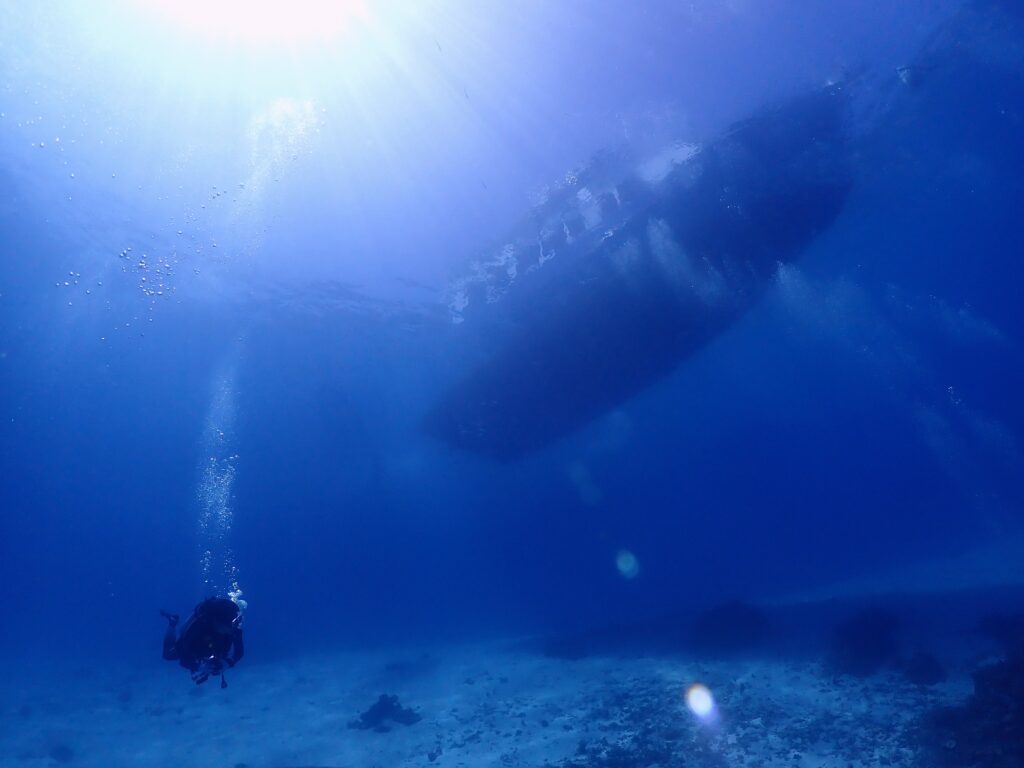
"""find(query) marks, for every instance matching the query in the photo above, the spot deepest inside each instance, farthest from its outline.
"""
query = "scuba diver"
(210, 640)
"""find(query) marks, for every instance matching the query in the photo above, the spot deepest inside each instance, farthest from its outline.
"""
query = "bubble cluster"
(216, 488)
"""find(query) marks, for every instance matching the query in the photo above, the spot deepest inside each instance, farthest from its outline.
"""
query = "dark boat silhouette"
(646, 271)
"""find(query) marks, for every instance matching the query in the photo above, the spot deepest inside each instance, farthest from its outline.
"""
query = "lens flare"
(700, 701)
(627, 564)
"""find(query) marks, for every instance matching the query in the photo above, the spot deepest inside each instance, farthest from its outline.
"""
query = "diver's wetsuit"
(210, 639)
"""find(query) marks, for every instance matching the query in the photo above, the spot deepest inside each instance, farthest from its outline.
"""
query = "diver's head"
(222, 614)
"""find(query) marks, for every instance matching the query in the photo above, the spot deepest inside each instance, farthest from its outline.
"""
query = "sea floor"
(478, 706)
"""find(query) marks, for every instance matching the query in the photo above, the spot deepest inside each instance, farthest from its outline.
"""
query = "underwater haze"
(507, 356)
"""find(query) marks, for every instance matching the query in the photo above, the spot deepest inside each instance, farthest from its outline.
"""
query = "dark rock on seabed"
(863, 644)
(923, 669)
(384, 711)
(988, 730)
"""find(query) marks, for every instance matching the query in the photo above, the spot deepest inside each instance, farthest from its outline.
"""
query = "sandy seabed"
(478, 706)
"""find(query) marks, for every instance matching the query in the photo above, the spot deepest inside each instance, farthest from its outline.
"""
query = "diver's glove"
(172, 618)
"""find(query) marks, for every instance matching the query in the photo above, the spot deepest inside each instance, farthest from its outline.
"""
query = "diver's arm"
(170, 644)
(238, 648)
(170, 641)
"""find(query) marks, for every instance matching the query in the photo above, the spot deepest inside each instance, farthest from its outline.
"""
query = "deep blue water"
(296, 221)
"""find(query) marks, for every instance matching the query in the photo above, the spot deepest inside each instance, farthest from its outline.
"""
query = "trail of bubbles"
(216, 487)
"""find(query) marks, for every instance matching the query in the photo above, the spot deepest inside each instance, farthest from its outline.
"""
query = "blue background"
(866, 413)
